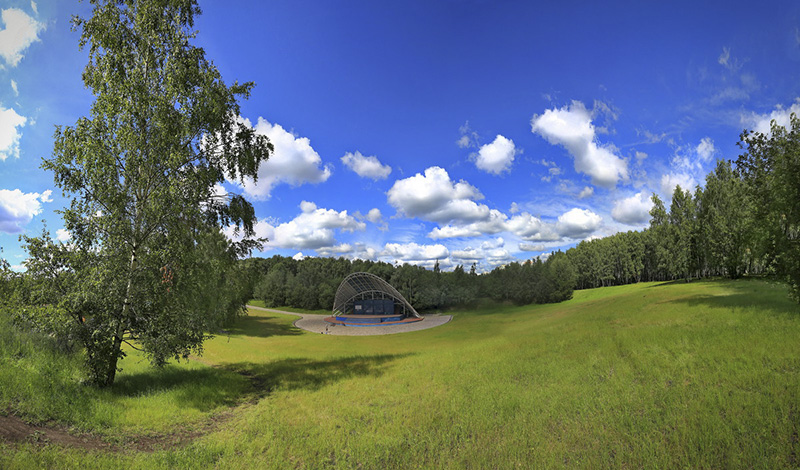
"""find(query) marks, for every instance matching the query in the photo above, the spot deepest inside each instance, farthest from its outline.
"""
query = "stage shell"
(363, 288)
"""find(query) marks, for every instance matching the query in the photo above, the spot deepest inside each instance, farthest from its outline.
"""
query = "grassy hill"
(699, 375)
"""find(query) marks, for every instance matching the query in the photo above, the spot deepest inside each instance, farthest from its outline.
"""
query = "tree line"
(745, 220)
(705, 233)
(311, 283)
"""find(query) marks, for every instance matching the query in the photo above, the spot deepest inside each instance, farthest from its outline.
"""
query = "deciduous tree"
(146, 263)
(770, 168)
(726, 214)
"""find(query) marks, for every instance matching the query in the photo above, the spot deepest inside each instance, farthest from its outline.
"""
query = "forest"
(311, 283)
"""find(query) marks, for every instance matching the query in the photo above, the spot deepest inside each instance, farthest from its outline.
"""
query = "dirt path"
(15, 430)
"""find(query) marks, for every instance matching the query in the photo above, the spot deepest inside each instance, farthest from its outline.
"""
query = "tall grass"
(700, 375)
(37, 377)
(41, 381)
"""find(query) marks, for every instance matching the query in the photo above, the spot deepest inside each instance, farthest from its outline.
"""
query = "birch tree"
(143, 171)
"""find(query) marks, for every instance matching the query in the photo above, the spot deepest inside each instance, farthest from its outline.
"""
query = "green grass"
(699, 375)
(260, 303)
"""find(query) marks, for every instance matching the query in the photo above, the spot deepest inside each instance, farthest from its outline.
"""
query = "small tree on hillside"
(560, 277)
(147, 263)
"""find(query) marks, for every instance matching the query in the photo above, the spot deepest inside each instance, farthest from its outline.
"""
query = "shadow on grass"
(307, 374)
(261, 327)
(767, 296)
(203, 389)
(721, 281)
(676, 282)
(230, 384)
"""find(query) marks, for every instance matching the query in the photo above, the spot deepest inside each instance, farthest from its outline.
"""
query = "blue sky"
(463, 131)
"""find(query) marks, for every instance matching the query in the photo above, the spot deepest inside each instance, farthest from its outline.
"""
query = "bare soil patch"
(15, 430)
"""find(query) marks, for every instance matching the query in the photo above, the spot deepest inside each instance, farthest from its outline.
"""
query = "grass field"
(699, 375)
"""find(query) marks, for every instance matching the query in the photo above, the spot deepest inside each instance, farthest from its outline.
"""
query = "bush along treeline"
(746, 220)
(311, 283)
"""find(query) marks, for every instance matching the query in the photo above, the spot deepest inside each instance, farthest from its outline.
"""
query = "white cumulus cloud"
(17, 209)
(490, 254)
(366, 167)
(496, 157)
(374, 215)
(355, 251)
(634, 210)
(413, 252)
(572, 128)
(435, 197)
(578, 223)
(314, 228)
(10, 121)
(532, 228)
(495, 222)
(762, 122)
(671, 180)
(688, 166)
(531, 247)
(294, 162)
(343, 249)
(575, 223)
(19, 33)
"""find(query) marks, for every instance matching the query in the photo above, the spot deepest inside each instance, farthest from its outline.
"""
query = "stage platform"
(370, 320)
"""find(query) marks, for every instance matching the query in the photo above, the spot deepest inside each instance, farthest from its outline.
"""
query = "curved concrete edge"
(316, 324)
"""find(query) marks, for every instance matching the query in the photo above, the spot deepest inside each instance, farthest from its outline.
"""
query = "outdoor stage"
(370, 320)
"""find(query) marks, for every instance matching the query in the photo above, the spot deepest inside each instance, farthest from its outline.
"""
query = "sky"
(457, 131)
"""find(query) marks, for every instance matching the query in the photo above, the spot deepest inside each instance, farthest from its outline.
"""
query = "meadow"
(657, 375)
